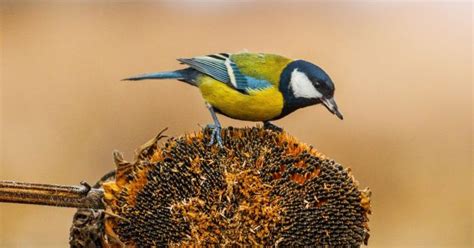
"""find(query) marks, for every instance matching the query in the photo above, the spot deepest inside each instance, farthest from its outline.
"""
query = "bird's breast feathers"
(257, 105)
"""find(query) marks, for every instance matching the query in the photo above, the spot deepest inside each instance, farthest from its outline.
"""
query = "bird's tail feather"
(179, 74)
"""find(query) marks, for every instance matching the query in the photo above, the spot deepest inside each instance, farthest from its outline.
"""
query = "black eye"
(317, 83)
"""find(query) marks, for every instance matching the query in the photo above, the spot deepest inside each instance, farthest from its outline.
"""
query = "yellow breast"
(258, 105)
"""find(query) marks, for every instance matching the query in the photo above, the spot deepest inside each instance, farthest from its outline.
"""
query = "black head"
(304, 84)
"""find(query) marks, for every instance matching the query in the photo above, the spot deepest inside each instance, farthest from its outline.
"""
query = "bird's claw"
(270, 126)
(215, 135)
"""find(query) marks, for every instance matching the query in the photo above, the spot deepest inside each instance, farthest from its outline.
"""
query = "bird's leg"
(216, 127)
(268, 125)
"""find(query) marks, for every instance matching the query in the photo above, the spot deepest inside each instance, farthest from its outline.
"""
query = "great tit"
(253, 86)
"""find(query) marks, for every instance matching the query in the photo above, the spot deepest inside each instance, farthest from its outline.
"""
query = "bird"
(257, 87)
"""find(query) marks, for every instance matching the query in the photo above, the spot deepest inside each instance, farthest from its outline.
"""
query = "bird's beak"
(331, 106)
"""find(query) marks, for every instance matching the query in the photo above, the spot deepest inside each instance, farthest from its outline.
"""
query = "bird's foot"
(215, 134)
(269, 126)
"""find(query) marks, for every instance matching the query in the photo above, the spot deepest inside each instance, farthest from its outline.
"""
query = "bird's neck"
(292, 104)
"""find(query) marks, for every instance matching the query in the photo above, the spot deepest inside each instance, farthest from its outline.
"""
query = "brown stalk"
(72, 196)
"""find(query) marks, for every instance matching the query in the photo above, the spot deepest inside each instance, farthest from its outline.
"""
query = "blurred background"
(403, 73)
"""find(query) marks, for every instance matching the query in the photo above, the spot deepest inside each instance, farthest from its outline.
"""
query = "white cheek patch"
(302, 86)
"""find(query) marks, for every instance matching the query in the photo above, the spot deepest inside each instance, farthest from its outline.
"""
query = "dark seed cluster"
(263, 188)
(87, 229)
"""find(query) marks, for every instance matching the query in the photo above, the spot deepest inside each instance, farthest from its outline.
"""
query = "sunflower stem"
(72, 196)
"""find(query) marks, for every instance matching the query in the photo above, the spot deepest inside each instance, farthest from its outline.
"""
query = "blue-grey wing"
(257, 84)
(220, 67)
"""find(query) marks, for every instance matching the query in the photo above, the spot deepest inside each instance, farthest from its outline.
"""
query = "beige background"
(403, 74)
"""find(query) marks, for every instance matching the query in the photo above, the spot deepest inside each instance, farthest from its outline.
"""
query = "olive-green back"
(261, 66)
